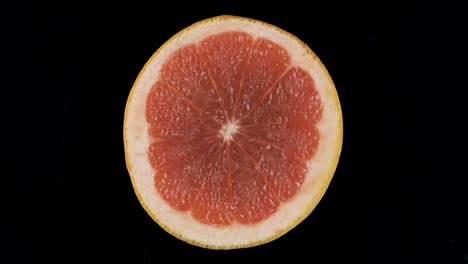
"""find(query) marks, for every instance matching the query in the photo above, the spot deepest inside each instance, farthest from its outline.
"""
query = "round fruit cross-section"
(232, 133)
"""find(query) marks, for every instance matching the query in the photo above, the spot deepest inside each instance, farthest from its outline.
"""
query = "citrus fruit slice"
(232, 133)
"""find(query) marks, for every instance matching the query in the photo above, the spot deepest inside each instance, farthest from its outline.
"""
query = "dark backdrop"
(399, 194)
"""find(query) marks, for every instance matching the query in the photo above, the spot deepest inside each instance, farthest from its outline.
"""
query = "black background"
(399, 194)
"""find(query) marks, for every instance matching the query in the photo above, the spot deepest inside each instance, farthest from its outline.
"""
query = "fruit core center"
(228, 130)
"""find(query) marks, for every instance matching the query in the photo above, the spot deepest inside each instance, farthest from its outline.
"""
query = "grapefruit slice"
(232, 133)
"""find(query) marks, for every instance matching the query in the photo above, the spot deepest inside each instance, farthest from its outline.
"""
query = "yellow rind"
(324, 185)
